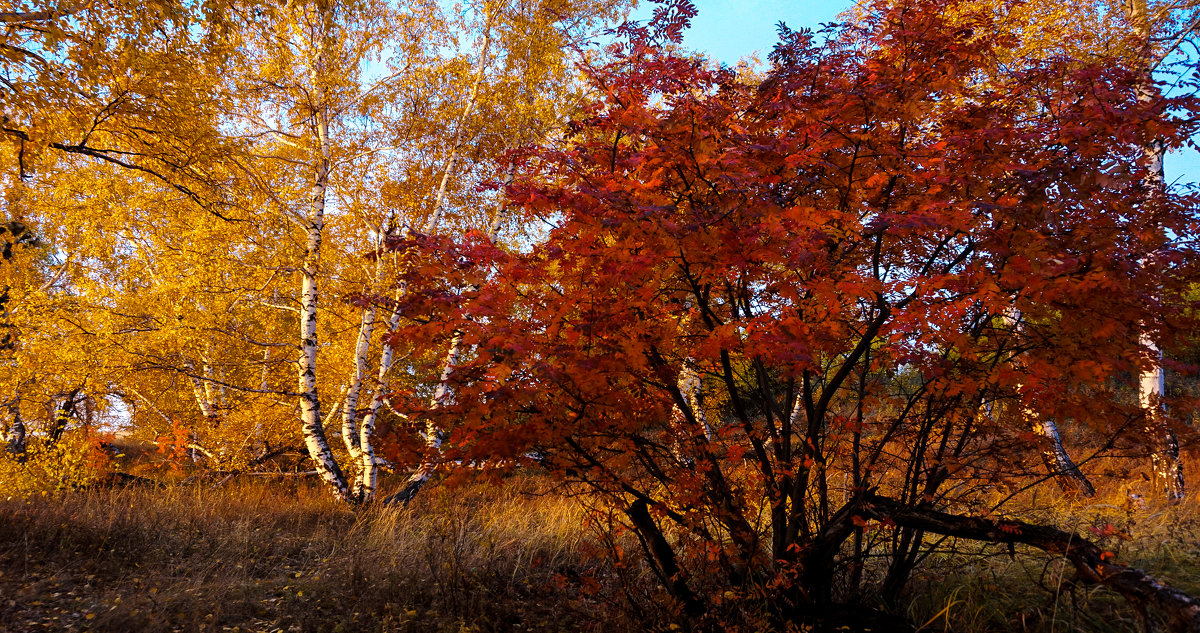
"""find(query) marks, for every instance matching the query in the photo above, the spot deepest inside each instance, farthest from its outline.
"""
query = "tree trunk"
(433, 434)
(1064, 470)
(1092, 564)
(310, 404)
(203, 394)
(368, 464)
(16, 433)
(358, 440)
(456, 142)
(682, 436)
(1055, 455)
(362, 349)
(261, 445)
(689, 386)
(62, 417)
(367, 479)
(662, 555)
(1165, 458)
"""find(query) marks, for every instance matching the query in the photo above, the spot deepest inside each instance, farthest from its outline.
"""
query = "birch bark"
(368, 464)
(1058, 461)
(358, 439)
(1165, 458)
(310, 403)
(433, 434)
(202, 391)
(362, 349)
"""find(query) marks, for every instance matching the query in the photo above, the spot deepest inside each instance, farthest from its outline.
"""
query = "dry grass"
(259, 556)
(988, 589)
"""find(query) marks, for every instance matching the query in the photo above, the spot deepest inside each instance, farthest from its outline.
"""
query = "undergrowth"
(973, 587)
(270, 556)
(265, 555)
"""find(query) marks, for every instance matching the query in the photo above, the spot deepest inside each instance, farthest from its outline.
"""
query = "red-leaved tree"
(766, 312)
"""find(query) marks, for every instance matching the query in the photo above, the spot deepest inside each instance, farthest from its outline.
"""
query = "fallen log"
(1092, 564)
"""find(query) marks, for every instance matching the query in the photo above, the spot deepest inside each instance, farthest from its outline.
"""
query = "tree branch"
(1092, 564)
(13, 17)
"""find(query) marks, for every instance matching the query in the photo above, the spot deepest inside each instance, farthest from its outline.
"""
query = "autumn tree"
(470, 107)
(124, 83)
(767, 318)
(1156, 39)
(53, 402)
(205, 170)
(111, 124)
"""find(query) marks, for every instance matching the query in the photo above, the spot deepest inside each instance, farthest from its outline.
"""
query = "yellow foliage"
(75, 461)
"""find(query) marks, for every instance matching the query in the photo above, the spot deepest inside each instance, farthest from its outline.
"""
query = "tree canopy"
(775, 321)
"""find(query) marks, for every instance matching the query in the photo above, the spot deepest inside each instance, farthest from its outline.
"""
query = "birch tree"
(1054, 454)
(322, 129)
(1148, 55)
(123, 83)
(1153, 38)
(255, 158)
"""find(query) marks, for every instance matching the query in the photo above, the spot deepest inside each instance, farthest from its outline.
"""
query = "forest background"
(789, 337)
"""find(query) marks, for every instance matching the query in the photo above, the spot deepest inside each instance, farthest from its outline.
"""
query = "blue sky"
(728, 30)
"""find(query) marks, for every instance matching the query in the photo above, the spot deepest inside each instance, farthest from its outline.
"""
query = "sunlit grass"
(280, 554)
(267, 556)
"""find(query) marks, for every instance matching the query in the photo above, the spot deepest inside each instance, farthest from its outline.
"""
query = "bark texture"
(310, 404)
(16, 432)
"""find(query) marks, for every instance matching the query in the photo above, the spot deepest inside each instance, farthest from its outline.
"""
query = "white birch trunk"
(433, 434)
(310, 404)
(362, 349)
(215, 396)
(152, 406)
(1064, 470)
(358, 439)
(202, 394)
(689, 385)
(1165, 458)
(206, 409)
(368, 465)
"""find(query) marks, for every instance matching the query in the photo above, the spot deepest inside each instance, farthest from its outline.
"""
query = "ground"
(276, 554)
